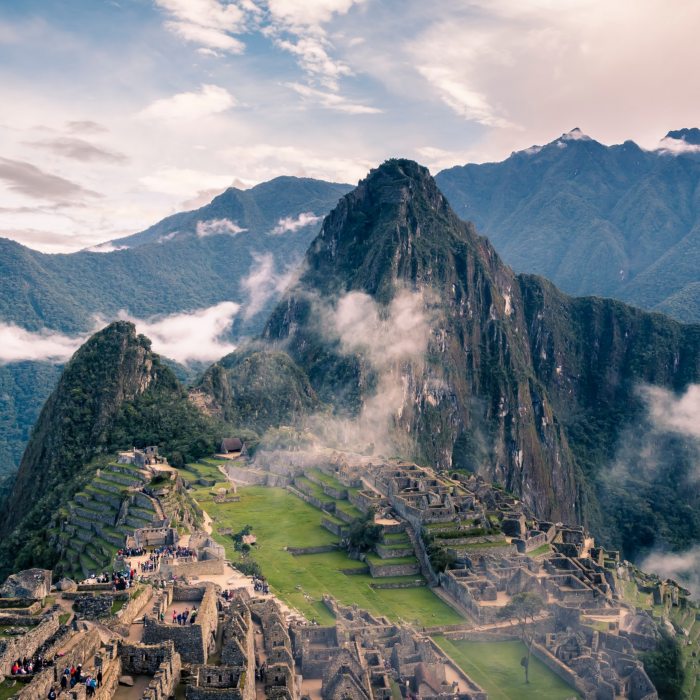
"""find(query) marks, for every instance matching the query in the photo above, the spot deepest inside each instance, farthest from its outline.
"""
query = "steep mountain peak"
(574, 135)
(691, 136)
(393, 229)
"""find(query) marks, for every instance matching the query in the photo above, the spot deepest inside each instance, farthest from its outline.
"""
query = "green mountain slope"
(183, 272)
(113, 394)
(517, 380)
(168, 268)
(613, 221)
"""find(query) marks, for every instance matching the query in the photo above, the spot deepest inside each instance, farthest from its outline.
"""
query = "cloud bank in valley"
(18, 344)
(197, 335)
(263, 283)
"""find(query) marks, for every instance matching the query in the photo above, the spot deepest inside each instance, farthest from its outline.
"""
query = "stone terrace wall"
(194, 568)
(27, 644)
(393, 569)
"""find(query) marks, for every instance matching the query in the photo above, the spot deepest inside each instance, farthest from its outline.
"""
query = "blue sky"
(115, 113)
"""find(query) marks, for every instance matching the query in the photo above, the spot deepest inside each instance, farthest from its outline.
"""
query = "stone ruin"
(361, 656)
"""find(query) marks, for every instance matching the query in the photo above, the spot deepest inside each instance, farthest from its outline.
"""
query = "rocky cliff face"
(514, 379)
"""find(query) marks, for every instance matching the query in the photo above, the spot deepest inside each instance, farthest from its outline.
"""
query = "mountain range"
(616, 221)
(405, 331)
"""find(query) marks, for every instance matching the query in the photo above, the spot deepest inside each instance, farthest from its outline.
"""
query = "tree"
(364, 533)
(521, 609)
(665, 666)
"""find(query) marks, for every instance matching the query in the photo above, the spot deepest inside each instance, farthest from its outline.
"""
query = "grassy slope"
(279, 519)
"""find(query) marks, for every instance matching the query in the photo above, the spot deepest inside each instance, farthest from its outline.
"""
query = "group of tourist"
(73, 676)
(150, 565)
(22, 667)
(260, 585)
(121, 580)
(261, 673)
(181, 618)
(132, 551)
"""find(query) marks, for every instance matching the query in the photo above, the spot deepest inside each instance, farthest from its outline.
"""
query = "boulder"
(66, 584)
(126, 680)
(32, 583)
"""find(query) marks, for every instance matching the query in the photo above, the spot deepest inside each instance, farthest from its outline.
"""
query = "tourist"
(174, 616)
(99, 678)
(52, 693)
(93, 686)
(179, 618)
(64, 682)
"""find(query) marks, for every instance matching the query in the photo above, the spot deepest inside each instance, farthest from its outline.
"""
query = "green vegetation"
(364, 534)
(544, 549)
(117, 606)
(523, 608)
(495, 666)
(280, 519)
(96, 422)
(6, 693)
(62, 619)
(665, 667)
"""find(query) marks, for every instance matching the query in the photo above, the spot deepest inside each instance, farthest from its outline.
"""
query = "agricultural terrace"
(280, 519)
(495, 666)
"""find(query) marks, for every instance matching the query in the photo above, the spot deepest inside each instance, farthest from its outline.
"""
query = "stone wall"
(19, 603)
(165, 680)
(405, 584)
(192, 642)
(83, 650)
(145, 659)
(393, 569)
(193, 568)
(563, 671)
(312, 550)
(134, 607)
(26, 645)
(333, 527)
(91, 607)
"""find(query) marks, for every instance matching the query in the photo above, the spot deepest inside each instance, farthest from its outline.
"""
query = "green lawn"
(495, 666)
(280, 519)
(544, 549)
(6, 692)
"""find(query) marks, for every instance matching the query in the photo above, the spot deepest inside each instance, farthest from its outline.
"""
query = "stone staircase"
(100, 517)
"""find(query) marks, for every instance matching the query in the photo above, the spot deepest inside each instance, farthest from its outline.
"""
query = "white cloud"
(264, 161)
(185, 182)
(216, 227)
(17, 344)
(189, 106)
(263, 283)
(678, 414)
(190, 336)
(107, 247)
(436, 159)
(683, 568)
(461, 96)
(331, 100)
(310, 13)
(207, 22)
(288, 224)
(677, 146)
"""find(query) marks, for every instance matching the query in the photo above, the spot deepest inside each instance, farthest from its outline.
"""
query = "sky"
(116, 113)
